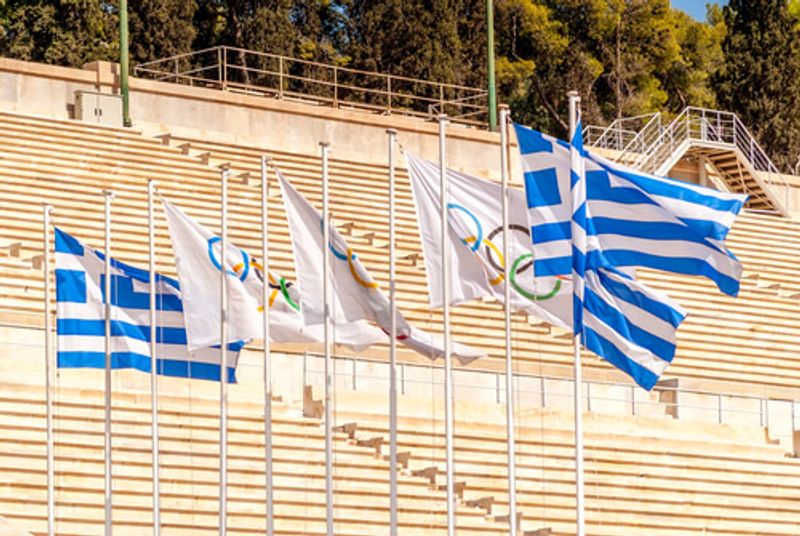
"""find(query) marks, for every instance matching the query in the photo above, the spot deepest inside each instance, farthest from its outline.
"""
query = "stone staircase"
(717, 139)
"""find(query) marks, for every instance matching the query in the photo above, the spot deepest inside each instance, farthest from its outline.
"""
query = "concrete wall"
(272, 124)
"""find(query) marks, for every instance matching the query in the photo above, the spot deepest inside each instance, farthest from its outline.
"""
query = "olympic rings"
(276, 286)
(531, 296)
(366, 284)
(479, 239)
(349, 257)
(240, 270)
(496, 259)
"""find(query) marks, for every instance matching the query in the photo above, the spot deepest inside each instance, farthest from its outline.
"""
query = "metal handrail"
(237, 69)
(618, 135)
(653, 145)
(644, 139)
(677, 406)
(718, 127)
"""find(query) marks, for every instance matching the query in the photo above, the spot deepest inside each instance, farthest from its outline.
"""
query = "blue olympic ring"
(336, 253)
(218, 266)
(479, 235)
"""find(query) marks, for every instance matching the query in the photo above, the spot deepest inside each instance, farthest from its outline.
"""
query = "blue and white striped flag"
(80, 289)
(616, 317)
(637, 220)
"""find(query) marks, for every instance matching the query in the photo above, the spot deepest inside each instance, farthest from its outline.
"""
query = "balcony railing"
(271, 75)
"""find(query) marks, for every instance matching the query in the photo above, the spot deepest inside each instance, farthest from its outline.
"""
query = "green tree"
(160, 28)
(688, 79)
(625, 57)
(61, 32)
(760, 78)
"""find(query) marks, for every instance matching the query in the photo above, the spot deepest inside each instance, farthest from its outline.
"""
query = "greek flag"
(635, 219)
(615, 316)
(80, 325)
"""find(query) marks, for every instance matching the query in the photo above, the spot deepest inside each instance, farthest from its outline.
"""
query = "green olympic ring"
(530, 295)
(285, 292)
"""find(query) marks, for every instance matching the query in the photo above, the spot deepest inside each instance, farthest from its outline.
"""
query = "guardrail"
(622, 134)
(723, 129)
(271, 75)
(546, 391)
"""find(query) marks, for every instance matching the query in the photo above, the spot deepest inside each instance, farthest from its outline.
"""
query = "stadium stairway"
(643, 475)
(648, 476)
(670, 479)
(69, 164)
(189, 471)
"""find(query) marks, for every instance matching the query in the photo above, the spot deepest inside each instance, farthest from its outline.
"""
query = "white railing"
(621, 134)
(724, 130)
(693, 405)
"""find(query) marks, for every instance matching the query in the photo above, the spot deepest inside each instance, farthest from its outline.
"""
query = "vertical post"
(511, 443)
(280, 77)
(389, 94)
(124, 62)
(492, 88)
(392, 135)
(109, 195)
(48, 374)
(224, 68)
(219, 67)
(151, 232)
(448, 365)
(223, 356)
(544, 392)
(574, 103)
(267, 360)
(326, 238)
(335, 87)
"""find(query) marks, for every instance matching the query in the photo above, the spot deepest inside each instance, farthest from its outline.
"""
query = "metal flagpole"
(392, 135)
(151, 231)
(448, 365)
(51, 495)
(512, 466)
(574, 103)
(109, 195)
(267, 362)
(326, 232)
(223, 358)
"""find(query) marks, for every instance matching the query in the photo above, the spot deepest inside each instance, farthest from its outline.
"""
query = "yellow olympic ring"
(501, 276)
(359, 280)
(273, 294)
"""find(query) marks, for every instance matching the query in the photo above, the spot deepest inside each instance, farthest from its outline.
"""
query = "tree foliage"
(61, 32)
(760, 77)
(625, 57)
(160, 28)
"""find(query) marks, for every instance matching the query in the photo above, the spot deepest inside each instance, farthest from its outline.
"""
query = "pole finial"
(391, 131)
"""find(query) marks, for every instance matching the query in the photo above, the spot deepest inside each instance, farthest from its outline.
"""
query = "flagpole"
(448, 365)
(574, 103)
(109, 195)
(223, 358)
(326, 231)
(151, 231)
(51, 499)
(512, 466)
(392, 136)
(267, 362)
